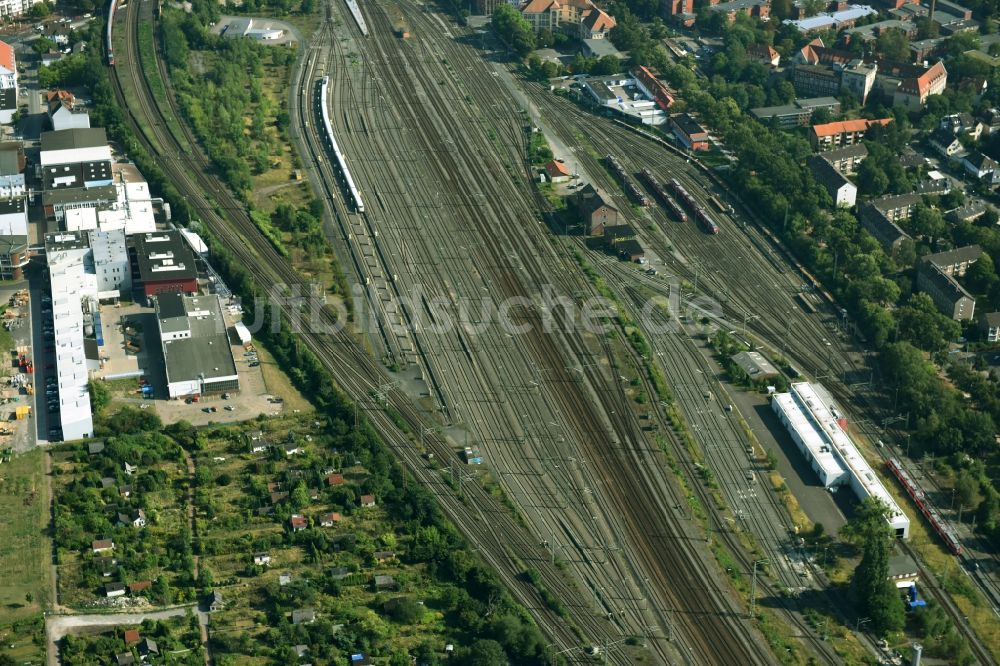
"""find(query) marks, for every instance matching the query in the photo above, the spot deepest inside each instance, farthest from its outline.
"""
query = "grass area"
(147, 58)
(277, 382)
(24, 640)
(25, 551)
(790, 502)
(128, 90)
(88, 509)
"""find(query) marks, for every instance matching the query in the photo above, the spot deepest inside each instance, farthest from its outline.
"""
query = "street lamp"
(861, 621)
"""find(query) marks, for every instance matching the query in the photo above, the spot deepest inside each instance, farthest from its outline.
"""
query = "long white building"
(69, 256)
(818, 430)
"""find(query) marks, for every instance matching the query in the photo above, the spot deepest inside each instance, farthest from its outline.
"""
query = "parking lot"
(132, 349)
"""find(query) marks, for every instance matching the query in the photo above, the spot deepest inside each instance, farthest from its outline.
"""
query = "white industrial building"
(819, 431)
(85, 190)
(623, 94)
(197, 353)
(13, 217)
(72, 281)
(75, 146)
(111, 263)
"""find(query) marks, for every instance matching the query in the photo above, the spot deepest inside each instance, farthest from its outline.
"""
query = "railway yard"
(468, 325)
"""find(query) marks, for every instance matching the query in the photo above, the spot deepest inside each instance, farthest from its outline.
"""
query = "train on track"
(358, 16)
(631, 189)
(660, 193)
(700, 214)
(942, 528)
(108, 46)
(331, 141)
(707, 223)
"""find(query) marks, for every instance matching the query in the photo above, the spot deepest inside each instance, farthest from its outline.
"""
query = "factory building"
(111, 263)
(166, 263)
(72, 280)
(196, 351)
(820, 432)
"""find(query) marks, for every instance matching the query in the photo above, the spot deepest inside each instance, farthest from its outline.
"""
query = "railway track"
(427, 124)
(766, 291)
(707, 636)
(360, 376)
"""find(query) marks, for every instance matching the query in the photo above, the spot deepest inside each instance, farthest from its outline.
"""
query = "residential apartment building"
(678, 11)
(8, 67)
(955, 262)
(13, 8)
(846, 160)
(798, 114)
(889, 235)
(816, 81)
(897, 208)
(948, 295)
(843, 192)
(758, 8)
(579, 18)
(910, 85)
(764, 54)
(843, 133)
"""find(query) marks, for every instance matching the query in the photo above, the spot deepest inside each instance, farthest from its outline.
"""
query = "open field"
(25, 550)
(277, 383)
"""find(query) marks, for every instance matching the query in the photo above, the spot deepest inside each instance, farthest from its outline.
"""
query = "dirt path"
(54, 572)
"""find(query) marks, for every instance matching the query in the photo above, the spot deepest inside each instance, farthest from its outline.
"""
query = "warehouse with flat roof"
(196, 351)
(166, 263)
(819, 431)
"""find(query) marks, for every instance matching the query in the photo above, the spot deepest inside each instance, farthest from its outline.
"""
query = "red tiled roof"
(298, 521)
(61, 95)
(334, 479)
(539, 6)
(599, 20)
(7, 59)
(556, 169)
(845, 126)
(927, 79)
(131, 636)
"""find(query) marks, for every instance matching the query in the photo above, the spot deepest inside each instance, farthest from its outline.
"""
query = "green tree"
(44, 45)
(892, 44)
(967, 490)
(485, 652)
(981, 277)
(875, 596)
(514, 29)
(872, 179)
(99, 395)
